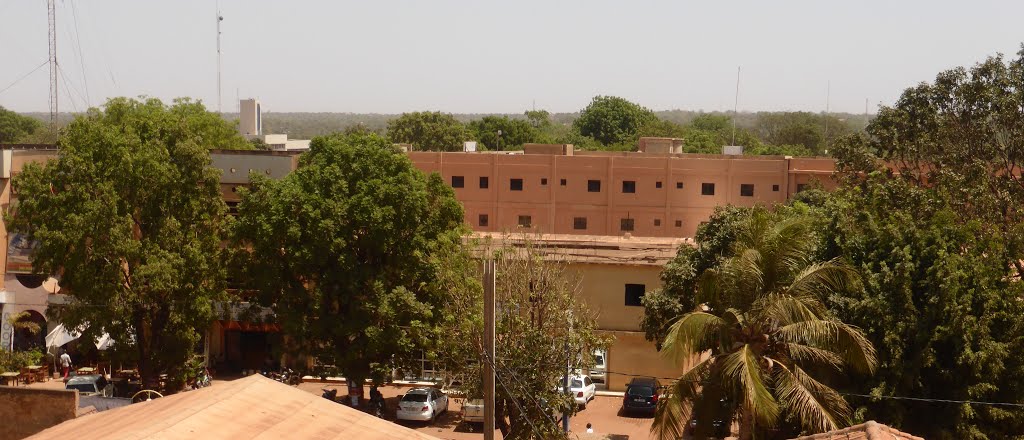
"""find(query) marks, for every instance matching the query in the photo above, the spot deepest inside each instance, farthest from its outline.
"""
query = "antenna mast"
(220, 18)
(828, 102)
(736, 105)
(52, 18)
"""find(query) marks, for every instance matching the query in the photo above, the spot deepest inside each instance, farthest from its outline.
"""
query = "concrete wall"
(667, 199)
(26, 411)
(603, 288)
(631, 355)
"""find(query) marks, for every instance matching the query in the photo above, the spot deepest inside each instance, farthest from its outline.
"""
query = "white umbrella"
(60, 336)
(105, 342)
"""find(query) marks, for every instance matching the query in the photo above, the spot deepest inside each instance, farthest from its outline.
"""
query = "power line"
(24, 76)
(81, 58)
(514, 401)
(922, 399)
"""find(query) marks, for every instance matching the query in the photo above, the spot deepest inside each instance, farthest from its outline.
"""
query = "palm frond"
(817, 407)
(675, 409)
(817, 279)
(694, 332)
(786, 309)
(805, 355)
(742, 367)
(844, 340)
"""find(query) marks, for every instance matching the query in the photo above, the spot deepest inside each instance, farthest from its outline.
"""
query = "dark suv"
(641, 395)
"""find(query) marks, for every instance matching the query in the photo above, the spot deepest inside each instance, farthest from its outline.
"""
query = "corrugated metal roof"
(250, 408)
(595, 249)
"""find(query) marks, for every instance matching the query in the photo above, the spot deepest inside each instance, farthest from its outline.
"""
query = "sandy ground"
(603, 412)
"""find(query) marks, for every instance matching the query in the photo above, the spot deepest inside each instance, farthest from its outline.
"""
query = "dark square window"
(657, 184)
(707, 189)
(579, 223)
(679, 223)
(483, 220)
(484, 182)
(563, 182)
(657, 222)
(800, 187)
(679, 185)
(626, 224)
(775, 188)
(594, 186)
(515, 184)
(634, 294)
(525, 221)
(543, 180)
(628, 186)
(747, 189)
(458, 181)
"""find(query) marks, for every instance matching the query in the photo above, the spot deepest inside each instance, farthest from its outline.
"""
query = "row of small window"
(628, 186)
(578, 223)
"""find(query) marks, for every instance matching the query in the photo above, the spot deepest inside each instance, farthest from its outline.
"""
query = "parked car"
(422, 404)
(599, 372)
(473, 411)
(641, 395)
(582, 389)
(87, 384)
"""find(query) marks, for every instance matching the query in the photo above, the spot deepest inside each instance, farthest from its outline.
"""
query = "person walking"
(65, 363)
(590, 428)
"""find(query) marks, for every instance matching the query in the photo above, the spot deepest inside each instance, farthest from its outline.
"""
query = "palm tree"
(761, 333)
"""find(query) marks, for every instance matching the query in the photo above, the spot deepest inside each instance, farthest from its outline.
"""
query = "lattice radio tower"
(53, 64)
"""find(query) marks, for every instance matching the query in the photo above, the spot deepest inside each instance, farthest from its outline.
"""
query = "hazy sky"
(487, 56)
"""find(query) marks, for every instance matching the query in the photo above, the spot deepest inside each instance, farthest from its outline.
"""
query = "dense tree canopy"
(514, 132)
(434, 131)
(130, 215)
(805, 129)
(612, 120)
(355, 249)
(15, 127)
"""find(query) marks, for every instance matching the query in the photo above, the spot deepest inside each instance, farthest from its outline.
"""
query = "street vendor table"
(9, 377)
(86, 370)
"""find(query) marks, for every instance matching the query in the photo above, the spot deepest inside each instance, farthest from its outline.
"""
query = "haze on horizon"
(393, 56)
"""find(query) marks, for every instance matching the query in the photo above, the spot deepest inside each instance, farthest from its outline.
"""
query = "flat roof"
(594, 249)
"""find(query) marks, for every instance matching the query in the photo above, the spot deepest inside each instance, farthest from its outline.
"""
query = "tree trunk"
(747, 423)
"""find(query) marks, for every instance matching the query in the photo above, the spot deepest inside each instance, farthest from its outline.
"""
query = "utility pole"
(568, 372)
(220, 18)
(52, 19)
(736, 106)
(489, 349)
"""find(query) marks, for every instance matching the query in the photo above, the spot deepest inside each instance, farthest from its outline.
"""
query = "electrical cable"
(24, 76)
(526, 392)
(81, 58)
(69, 85)
(514, 401)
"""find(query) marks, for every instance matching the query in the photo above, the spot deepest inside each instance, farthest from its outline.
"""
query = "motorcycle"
(330, 394)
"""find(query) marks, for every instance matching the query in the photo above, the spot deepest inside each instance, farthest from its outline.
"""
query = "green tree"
(434, 131)
(708, 133)
(15, 127)
(514, 132)
(801, 128)
(354, 250)
(538, 119)
(677, 296)
(541, 324)
(939, 302)
(761, 336)
(130, 214)
(612, 120)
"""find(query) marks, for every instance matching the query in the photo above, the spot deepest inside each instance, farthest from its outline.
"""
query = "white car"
(473, 411)
(422, 404)
(582, 389)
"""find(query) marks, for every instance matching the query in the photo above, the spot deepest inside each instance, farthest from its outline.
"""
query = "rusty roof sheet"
(249, 408)
(870, 430)
(596, 249)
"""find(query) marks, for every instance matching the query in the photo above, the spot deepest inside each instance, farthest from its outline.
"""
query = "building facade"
(649, 194)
